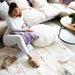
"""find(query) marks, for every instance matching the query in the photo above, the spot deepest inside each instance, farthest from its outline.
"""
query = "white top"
(14, 24)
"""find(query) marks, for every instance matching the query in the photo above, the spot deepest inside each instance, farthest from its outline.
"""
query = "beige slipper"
(33, 63)
(6, 63)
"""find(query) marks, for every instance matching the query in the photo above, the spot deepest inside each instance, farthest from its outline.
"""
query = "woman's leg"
(23, 47)
(17, 39)
(21, 54)
(11, 40)
(21, 44)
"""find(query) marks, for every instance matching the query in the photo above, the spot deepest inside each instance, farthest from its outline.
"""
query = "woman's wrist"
(28, 29)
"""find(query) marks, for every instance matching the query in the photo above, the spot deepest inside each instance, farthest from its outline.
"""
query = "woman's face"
(16, 12)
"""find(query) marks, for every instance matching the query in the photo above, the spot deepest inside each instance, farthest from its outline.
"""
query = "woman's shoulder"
(9, 18)
(21, 17)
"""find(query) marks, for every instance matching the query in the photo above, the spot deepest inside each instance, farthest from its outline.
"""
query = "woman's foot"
(8, 61)
(33, 62)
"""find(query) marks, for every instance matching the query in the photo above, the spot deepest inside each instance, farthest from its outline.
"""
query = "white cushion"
(32, 16)
(49, 11)
(3, 27)
(39, 3)
(23, 4)
(59, 6)
(46, 35)
(71, 5)
(4, 10)
(66, 12)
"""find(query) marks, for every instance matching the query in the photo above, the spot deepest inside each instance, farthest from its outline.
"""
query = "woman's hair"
(12, 6)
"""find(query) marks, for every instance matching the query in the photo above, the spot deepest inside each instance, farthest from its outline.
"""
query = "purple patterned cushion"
(27, 36)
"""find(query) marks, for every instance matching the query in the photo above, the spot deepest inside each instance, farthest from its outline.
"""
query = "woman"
(15, 23)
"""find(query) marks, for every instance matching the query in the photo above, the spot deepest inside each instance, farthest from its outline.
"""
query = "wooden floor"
(55, 59)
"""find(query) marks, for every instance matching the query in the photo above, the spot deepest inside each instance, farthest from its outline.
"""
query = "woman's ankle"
(13, 59)
(29, 56)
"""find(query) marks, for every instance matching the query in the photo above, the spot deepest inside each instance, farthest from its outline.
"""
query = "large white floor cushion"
(46, 35)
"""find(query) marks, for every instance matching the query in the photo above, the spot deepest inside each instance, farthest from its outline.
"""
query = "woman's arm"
(23, 26)
(13, 27)
(28, 29)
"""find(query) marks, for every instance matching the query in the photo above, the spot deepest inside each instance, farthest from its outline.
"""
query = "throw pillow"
(23, 4)
(39, 3)
(66, 12)
(58, 6)
(71, 5)
(4, 10)
(27, 36)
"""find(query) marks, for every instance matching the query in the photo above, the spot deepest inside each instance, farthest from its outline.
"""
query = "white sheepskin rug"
(54, 59)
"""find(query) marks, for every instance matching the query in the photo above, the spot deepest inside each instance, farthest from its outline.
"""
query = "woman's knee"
(18, 38)
(30, 47)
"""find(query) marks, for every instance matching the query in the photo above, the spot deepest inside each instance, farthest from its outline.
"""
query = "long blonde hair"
(12, 6)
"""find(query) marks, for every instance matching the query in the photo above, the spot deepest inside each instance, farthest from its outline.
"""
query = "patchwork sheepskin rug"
(54, 59)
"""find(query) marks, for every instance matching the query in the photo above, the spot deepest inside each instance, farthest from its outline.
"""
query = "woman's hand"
(29, 30)
(23, 26)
